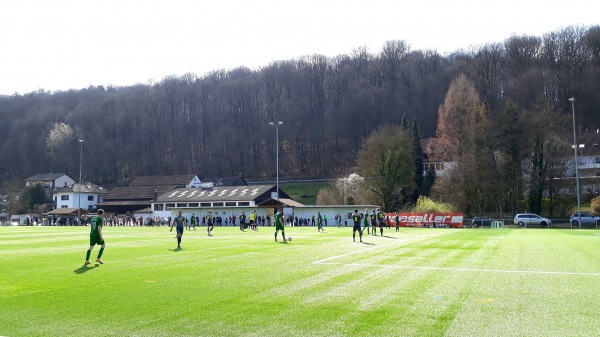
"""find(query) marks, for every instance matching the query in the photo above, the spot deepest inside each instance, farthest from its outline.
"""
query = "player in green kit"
(193, 221)
(96, 238)
(366, 222)
(320, 222)
(279, 225)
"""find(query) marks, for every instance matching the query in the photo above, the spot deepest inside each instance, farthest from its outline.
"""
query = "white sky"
(72, 44)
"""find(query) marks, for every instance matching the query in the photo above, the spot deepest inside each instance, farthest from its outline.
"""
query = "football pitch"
(416, 282)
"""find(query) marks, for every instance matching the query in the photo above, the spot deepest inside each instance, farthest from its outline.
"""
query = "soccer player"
(209, 223)
(96, 238)
(356, 219)
(381, 219)
(320, 222)
(252, 220)
(279, 225)
(397, 222)
(366, 222)
(242, 221)
(374, 222)
(193, 221)
(179, 223)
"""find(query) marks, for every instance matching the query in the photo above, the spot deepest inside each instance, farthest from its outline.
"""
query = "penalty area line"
(531, 272)
(377, 247)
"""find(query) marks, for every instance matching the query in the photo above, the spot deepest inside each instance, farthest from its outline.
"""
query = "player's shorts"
(179, 230)
(278, 227)
(366, 224)
(96, 241)
(356, 227)
(251, 222)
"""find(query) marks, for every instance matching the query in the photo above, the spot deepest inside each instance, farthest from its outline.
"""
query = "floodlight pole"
(79, 191)
(276, 124)
(572, 100)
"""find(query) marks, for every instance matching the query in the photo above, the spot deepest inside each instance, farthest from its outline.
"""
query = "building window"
(64, 197)
(597, 160)
(90, 198)
(230, 203)
(159, 207)
(63, 206)
(169, 206)
(205, 204)
(217, 204)
(181, 204)
(193, 204)
(243, 203)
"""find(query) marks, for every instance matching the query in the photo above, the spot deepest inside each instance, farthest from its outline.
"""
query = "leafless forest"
(217, 124)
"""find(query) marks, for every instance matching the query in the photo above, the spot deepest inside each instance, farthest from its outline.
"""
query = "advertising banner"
(454, 220)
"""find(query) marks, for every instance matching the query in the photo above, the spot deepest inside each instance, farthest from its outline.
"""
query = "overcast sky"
(72, 44)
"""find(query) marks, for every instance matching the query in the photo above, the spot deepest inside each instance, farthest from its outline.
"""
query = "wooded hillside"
(216, 124)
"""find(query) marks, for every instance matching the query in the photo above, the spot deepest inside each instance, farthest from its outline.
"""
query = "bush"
(425, 204)
(595, 209)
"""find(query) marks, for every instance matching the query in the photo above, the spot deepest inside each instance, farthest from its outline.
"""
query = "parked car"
(480, 221)
(528, 219)
(586, 219)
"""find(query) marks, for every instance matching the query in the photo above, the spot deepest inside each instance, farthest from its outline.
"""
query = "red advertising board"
(426, 219)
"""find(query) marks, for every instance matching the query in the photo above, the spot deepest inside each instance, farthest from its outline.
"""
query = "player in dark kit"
(356, 219)
(209, 223)
(373, 222)
(179, 223)
(96, 238)
(381, 220)
(320, 222)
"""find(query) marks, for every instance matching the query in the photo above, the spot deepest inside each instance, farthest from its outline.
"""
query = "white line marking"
(381, 246)
(463, 269)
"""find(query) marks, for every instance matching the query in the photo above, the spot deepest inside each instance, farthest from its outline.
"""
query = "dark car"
(480, 221)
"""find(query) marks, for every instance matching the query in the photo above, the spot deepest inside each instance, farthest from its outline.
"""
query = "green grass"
(418, 282)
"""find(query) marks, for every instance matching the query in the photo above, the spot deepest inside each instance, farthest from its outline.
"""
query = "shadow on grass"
(84, 269)
(367, 243)
(389, 237)
(176, 249)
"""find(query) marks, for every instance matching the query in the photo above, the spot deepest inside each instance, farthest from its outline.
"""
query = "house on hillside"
(50, 181)
(84, 195)
(588, 164)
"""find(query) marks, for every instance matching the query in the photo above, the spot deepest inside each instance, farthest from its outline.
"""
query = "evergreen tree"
(418, 160)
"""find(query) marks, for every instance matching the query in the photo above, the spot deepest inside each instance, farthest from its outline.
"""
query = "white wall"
(73, 201)
(63, 181)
